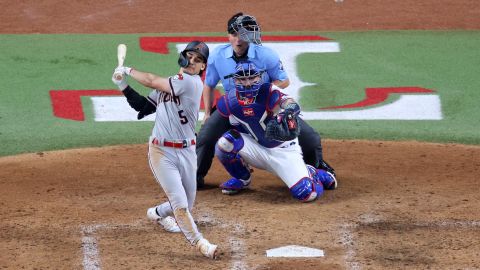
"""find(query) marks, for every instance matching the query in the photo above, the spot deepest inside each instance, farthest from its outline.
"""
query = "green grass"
(32, 65)
(447, 62)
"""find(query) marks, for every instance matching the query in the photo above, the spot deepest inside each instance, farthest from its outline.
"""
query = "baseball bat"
(121, 54)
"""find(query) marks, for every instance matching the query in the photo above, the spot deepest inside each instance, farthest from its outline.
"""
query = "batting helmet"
(246, 82)
(246, 27)
(194, 46)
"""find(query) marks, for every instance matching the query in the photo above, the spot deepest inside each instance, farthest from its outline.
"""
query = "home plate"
(295, 251)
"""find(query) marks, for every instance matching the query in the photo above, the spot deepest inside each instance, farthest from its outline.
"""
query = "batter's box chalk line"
(235, 239)
(91, 252)
(346, 232)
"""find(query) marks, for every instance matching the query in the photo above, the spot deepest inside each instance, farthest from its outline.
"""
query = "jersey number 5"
(183, 118)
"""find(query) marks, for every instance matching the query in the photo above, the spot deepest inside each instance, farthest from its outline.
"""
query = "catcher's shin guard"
(327, 179)
(306, 190)
(227, 153)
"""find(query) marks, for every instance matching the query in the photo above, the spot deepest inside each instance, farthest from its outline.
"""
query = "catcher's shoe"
(234, 185)
(207, 249)
(328, 180)
(168, 223)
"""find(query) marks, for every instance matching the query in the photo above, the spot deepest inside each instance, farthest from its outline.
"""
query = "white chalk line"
(347, 234)
(347, 240)
(91, 253)
(237, 245)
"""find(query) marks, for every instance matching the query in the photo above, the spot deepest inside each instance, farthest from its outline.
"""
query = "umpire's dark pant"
(216, 125)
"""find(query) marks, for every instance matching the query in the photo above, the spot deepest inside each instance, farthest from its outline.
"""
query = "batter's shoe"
(168, 223)
(207, 249)
(234, 185)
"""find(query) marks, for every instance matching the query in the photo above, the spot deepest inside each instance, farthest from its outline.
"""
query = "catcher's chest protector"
(252, 118)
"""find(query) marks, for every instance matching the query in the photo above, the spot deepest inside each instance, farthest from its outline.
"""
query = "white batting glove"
(119, 77)
(125, 70)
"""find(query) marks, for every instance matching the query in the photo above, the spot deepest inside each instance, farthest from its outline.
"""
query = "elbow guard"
(134, 99)
(138, 102)
(146, 110)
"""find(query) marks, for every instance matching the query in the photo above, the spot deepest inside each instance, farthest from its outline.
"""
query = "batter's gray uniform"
(171, 151)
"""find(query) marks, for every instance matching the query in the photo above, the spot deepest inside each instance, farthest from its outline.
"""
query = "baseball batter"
(261, 140)
(171, 153)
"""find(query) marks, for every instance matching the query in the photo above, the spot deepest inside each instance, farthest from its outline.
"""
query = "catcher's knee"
(306, 190)
(230, 142)
(227, 149)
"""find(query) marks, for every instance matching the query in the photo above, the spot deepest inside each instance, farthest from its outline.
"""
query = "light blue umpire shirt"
(221, 65)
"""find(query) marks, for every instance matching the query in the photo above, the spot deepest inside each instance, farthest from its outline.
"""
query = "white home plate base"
(295, 251)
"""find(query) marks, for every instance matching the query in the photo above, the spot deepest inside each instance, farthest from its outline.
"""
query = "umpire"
(244, 37)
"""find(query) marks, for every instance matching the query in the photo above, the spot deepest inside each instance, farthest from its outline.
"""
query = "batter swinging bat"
(121, 53)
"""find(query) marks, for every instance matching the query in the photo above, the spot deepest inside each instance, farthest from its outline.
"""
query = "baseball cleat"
(207, 249)
(328, 180)
(233, 186)
(326, 167)
(168, 223)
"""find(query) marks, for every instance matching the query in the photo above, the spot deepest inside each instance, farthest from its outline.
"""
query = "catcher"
(265, 137)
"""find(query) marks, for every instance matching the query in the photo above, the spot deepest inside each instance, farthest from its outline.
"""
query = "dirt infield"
(146, 16)
(400, 205)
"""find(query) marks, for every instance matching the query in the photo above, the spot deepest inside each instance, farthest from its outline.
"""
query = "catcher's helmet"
(194, 46)
(248, 79)
(246, 27)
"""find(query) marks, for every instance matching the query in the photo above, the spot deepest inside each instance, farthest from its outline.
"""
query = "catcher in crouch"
(265, 137)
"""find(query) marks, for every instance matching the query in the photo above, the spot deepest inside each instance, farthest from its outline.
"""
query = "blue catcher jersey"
(252, 118)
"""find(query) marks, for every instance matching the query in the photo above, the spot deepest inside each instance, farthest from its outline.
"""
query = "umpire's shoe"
(323, 165)
(168, 223)
(234, 185)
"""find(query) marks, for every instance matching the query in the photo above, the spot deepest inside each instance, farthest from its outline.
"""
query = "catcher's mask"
(194, 46)
(246, 27)
(248, 79)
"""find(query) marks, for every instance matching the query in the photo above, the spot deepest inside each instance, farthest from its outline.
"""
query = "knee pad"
(231, 142)
(226, 151)
(306, 190)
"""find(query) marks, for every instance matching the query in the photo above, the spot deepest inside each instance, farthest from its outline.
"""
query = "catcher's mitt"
(284, 127)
